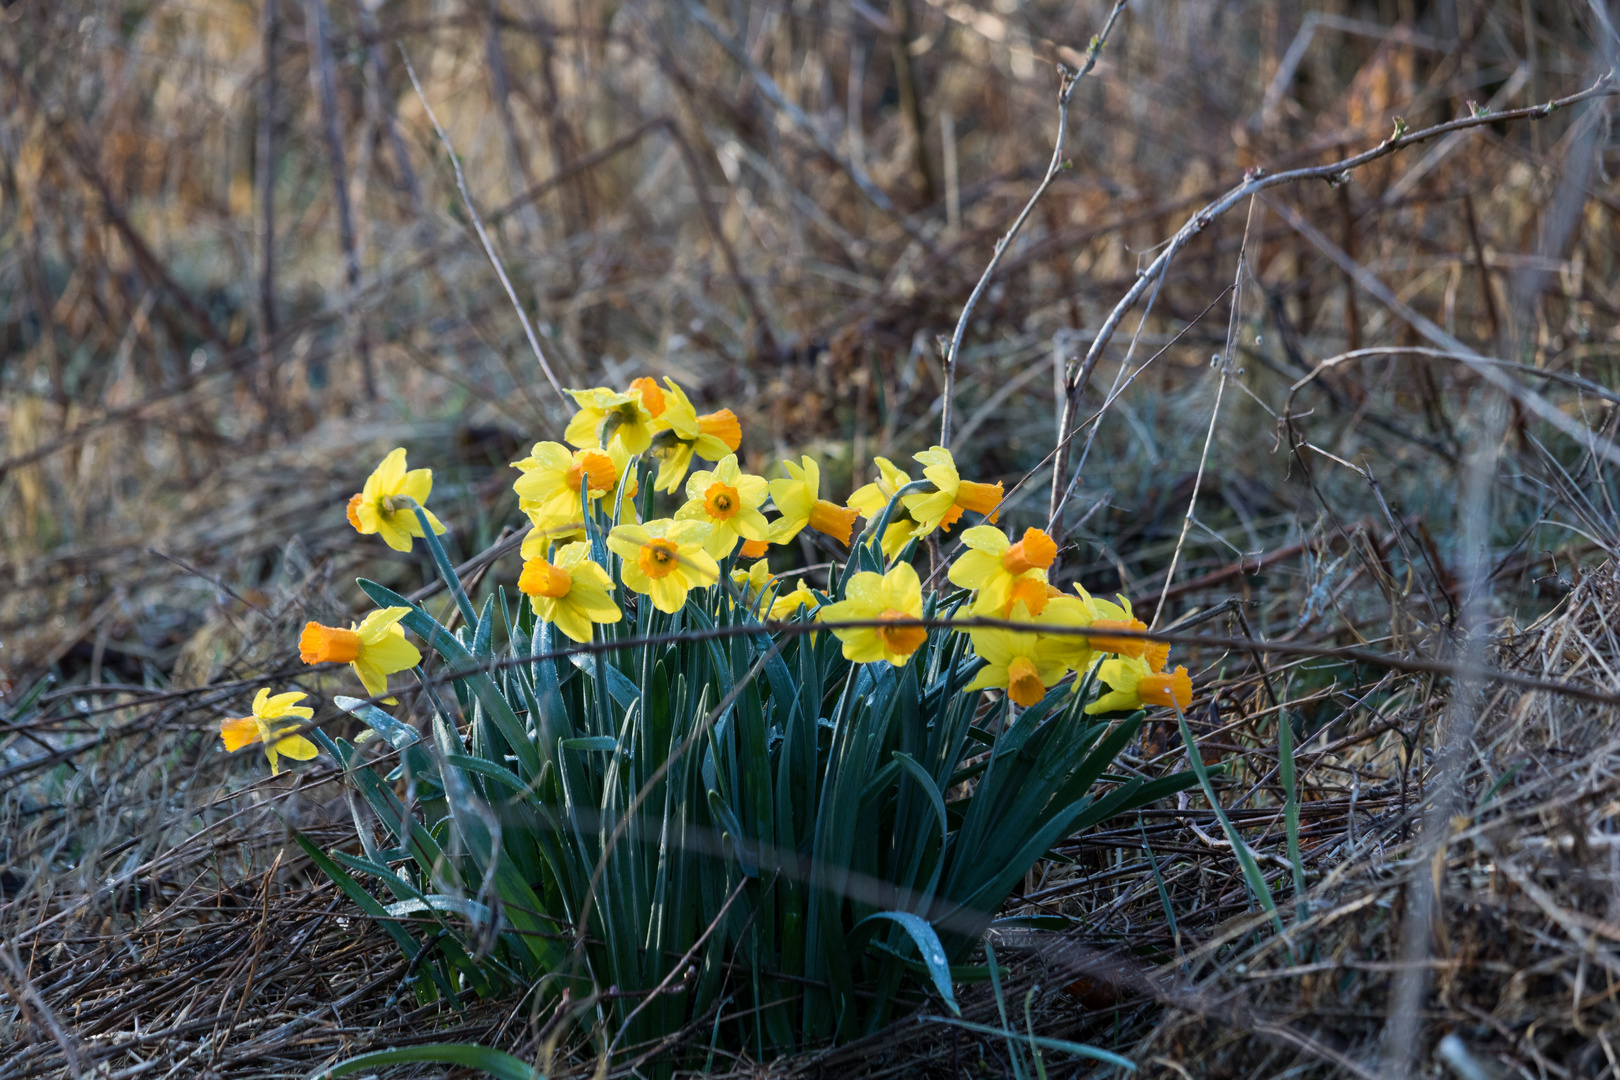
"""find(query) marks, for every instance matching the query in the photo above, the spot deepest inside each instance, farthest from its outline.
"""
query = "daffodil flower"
(1133, 684)
(1002, 572)
(786, 604)
(683, 433)
(548, 490)
(870, 500)
(607, 416)
(375, 647)
(385, 505)
(570, 593)
(664, 560)
(1015, 662)
(940, 508)
(1067, 612)
(798, 499)
(753, 582)
(273, 717)
(729, 500)
(894, 600)
(1110, 616)
(552, 475)
(649, 394)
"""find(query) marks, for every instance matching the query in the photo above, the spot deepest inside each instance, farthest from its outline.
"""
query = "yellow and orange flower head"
(571, 593)
(798, 499)
(940, 508)
(1132, 684)
(753, 582)
(681, 432)
(1108, 616)
(1015, 662)
(664, 560)
(1063, 612)
(785, 605)
(1002, 572)
(375, 647)
(894, 601)
(607, 416)
(548, 490)
(728, 500)
(870, 500)
(650, 395)
(384, 506)
(274, 718)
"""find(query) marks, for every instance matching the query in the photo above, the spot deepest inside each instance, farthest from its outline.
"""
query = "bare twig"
(1067, 82)
(321, 72)
(1233, 329)
(1336, 172)
(483, 236)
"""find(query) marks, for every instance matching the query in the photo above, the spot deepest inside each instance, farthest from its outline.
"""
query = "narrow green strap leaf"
(620, 688)
(926, 782)
(497, 1063)
(463, 669)
(487, 768)
(590, 742)
(459, 905)
(362, 899)
(1093, 1052)
(446, 571)
(399, 735)
(927, 942)
(1251, 869)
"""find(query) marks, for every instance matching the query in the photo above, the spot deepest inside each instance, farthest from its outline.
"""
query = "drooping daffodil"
(1133, 684)
(681, 432)
(798, 499)
(997, 569)
(940, 508)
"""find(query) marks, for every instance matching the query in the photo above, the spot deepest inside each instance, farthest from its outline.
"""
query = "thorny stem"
(1069, 79)
(478, 224)
(1256, 181)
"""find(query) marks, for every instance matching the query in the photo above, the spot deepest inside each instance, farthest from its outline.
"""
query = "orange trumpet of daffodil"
(570, 593)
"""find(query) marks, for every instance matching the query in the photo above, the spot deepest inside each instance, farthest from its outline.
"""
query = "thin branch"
(1256, 181)
(1065, 90)
(317, 30)
(1233, 329)
(483, 236)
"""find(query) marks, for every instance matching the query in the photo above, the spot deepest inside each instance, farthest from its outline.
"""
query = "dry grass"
(153, 921)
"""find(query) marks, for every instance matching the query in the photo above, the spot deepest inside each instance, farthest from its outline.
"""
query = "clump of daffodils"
(584, 495)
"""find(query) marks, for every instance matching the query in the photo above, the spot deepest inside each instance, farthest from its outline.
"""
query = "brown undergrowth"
(177, 453)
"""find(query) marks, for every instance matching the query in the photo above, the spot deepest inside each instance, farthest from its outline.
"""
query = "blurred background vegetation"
(236, 264)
